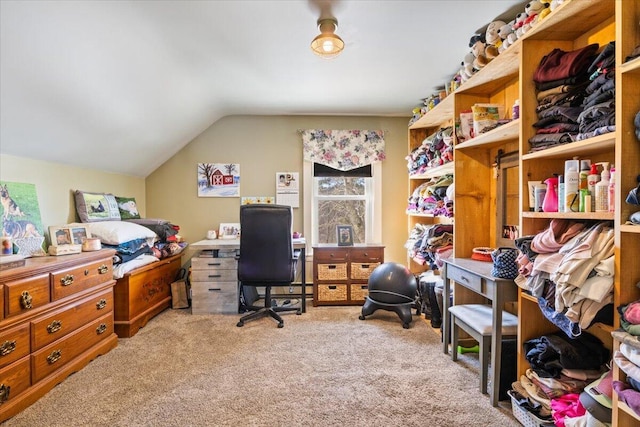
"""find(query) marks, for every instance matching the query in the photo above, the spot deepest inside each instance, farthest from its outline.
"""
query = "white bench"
(476, 320)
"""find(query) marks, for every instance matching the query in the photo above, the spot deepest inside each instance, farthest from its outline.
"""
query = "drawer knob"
(101, 329)
(54, 356)
(103, 269)
(54, 326)
(215, 289)
(67, 280)
(215, 275)
(25, 300)
(101, 304)
(4, 392)
(214, 264)
(7, 347)
(465, 279)
(86, 272)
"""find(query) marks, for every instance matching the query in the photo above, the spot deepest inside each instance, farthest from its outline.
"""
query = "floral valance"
(343, 149)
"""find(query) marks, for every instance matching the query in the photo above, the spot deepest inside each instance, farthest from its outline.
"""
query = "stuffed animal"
(477, 45)
(467, 69)
(518, 23)
(491, 35)
(555, 4)
(533, 9)
(507, 36)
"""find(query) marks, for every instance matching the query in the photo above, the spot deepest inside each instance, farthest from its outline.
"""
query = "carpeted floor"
(324, 368)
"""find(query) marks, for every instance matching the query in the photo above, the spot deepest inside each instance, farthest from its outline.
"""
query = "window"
(342, 198)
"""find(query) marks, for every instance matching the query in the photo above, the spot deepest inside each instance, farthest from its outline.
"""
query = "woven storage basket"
(362, 270)
(332, 271)
(359, 292)
(526, 418)
(332, 292)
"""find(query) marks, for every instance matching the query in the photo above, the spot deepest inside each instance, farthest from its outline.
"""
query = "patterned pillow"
(128, 208)
(92, 207)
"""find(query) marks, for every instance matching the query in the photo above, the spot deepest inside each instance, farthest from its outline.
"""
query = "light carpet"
(324, 368)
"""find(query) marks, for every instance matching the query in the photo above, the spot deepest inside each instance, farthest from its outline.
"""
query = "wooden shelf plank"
(494, 137)
(598, 216)
(441, 113)
(444, 169)
(627, 228)
(597, 144)
(631, 66)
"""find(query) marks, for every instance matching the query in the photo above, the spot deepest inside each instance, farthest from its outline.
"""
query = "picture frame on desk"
(344, 235)
(229, 230)
(68, 235)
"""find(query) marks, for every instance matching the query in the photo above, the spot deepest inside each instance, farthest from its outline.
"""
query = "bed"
(147, 258)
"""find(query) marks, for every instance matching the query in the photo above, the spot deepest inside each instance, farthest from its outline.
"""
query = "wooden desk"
(299, 244)
(475, 276)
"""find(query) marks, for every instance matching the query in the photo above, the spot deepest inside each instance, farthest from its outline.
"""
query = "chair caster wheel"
(240, 324)
(299, 311)
(281, 325)
(405, 325)
(361, 317)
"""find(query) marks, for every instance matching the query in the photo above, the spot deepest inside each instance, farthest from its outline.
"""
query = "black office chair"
(266, 255)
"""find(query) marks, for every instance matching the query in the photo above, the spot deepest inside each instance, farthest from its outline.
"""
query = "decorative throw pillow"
(128, 208)
(92, 207)
(119, 232)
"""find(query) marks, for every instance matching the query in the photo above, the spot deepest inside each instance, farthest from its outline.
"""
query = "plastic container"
(571, 188)
(612, 190)
(560, 193)
(592, 180)
(550, 202)
(602, 190)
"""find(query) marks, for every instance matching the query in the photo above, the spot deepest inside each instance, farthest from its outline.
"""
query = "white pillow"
(117, 232)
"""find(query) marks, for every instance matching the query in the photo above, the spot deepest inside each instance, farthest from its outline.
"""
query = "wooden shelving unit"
(572, 25)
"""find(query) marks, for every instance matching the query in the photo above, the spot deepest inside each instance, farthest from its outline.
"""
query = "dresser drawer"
(330, 254)
(14, 344)
(203, 263)
(214, 297)
(332, 293)
(336, 271)
(366, 254)
(214, 275)
(51, 327)
(72, 280)
(1, 302)
(466, 279)
(358, 292)
(14, 379)
(26, 294)
(362, 270)
(57, 354)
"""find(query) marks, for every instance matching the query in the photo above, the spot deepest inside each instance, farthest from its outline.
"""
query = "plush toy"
(467, 69)
(555, 4)
(519, 23)
(507, 36)
(533, 10)
(477, 45)
(492, 37)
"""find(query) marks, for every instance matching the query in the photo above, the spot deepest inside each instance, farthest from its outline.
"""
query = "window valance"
(343, 149)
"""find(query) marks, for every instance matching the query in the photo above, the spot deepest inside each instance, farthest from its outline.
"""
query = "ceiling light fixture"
(327, 44)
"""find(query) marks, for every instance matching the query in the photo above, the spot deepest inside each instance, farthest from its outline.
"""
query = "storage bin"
(361, 270)
(332, 292)
(526, 418)
(332, 271)
(359, 292)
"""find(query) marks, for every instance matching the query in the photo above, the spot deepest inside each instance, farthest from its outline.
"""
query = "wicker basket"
(332, 271)
(362, 270)
(359, 292)
(526, 418)
(332, 292)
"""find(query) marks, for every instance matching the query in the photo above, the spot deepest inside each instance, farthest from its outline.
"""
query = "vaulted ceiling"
(121, 86)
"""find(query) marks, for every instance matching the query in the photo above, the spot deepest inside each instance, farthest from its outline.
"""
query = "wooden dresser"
(143, 293)
(341, 273)
(56, 315)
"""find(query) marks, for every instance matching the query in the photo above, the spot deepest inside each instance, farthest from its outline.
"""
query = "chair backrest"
(266, 249)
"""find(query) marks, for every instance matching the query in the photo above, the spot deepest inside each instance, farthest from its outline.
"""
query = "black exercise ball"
(392, 283)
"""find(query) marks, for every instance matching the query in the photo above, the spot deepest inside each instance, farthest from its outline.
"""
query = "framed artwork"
(21, 221)
(344, 235)
(269, 200)
(229, 230)
(218, 180)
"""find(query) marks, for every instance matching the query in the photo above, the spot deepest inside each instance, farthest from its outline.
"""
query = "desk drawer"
(466, 279)
(214, 275)
(204, 263)
(214, 297)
